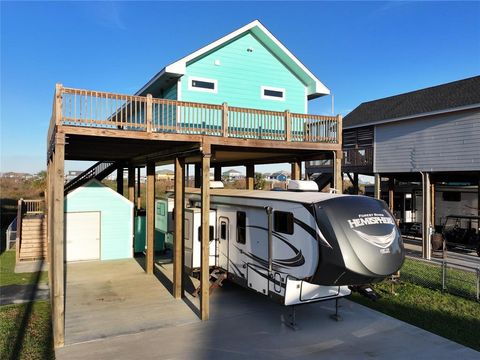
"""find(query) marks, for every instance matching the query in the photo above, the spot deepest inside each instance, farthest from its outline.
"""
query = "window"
(223, 230)
(202, 84)
(272, 93)
(161, 208)
(211, 233)
(452, 196)
(241, 227)
(283, 222)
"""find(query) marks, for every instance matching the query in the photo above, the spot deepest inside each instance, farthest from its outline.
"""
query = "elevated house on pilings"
(429, 136)
(241, 100)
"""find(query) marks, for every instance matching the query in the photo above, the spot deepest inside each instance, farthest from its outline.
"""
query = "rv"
(295, 247)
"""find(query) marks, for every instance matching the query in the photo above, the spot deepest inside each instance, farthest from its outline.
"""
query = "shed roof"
(454, 95)
(178, 68)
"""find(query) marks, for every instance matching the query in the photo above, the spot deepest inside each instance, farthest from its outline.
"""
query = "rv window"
(452, 196)
(161, 209)
(211, 235)
(241, 227)
(223, 230)
(283, 222)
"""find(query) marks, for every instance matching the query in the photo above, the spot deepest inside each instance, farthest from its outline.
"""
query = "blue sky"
(361, 50)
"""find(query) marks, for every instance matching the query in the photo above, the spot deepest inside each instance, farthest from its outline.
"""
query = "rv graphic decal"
(370, 219)
(378, 240)
(315, 233)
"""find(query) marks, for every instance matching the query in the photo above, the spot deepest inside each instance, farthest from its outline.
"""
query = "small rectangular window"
(211, 233)
(241, 227)
(452, 196)
(223, 230)
(283, 222)
(272, 93)
(202, 84)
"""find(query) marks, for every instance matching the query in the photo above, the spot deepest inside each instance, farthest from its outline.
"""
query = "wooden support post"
(178, 236)
(225, 119)
(250, 178)
(296, 172)
(288, 126)
(149, 113)
(432, 200)
(131, 183)
(337, 172)
(58, 310)
(217, 173)
(197, 175)
(139, 195)
(48, 207)
(377, 192)
(356, 189)
(426, 193)
(120, 179)
(391, 187)
(205, 241)
(150, 256)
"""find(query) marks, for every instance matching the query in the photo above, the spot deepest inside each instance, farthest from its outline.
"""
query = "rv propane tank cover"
(302, 185)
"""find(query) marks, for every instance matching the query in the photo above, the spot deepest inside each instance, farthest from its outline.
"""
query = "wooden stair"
(34, 238)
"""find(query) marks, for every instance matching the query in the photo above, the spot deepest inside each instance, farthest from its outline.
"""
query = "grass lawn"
(8, 276)
(25, 331)
(452, 317)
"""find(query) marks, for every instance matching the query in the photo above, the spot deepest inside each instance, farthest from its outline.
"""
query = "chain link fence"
(455, 279)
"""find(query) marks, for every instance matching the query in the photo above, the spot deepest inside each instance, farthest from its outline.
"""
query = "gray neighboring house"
(430, 136)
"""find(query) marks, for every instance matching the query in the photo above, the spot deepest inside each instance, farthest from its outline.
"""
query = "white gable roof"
(100, 185)
(315, 88)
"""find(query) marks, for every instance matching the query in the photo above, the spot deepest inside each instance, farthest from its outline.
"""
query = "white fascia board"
(414, 116)
(178, 68)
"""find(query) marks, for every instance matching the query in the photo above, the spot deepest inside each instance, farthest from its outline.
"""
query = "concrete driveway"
(246, 325)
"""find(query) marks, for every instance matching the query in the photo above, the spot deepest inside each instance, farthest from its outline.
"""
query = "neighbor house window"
(202, 84)
(283, 222)
(272, 93)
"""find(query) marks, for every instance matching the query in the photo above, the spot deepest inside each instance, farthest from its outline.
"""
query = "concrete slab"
(30, 266)
(20, 294)
(111, 298)
(246, 325)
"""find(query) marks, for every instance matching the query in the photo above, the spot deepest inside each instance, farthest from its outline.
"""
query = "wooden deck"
(137, 120)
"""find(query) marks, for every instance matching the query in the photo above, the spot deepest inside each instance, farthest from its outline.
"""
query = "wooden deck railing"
(98, 109)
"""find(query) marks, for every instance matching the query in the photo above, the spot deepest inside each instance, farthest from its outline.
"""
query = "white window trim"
(192, 78)
(266, 97)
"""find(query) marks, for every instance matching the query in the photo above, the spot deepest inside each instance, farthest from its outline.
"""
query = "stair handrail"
(90, 173)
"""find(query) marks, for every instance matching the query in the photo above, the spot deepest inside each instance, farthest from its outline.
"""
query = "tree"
(259, 181)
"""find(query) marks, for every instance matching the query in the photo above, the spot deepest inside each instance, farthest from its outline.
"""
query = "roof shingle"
(446, 96)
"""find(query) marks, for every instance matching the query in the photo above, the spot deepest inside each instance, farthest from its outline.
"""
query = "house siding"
(241, 74)
(116, 218)
(170, 93)
(443, 143)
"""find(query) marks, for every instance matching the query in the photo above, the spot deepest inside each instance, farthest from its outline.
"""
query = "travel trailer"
(295, 247)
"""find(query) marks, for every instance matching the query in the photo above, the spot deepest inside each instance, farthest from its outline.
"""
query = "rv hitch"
(365, 290)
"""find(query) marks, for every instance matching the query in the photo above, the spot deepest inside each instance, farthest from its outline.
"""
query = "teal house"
(248, 68)
(98, 224)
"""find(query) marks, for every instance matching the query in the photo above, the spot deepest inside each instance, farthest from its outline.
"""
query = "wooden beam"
(337, 172)
(426, 215)
(58, 310)
(391, 187)
(198, 175)
(377, 192)
(296, 173)
(250, 179)
(178, 235)
(120, 179)
(205, 241)
(214, 140)
(150, 256)
(131, 183)
(139, 195)
(217, 173)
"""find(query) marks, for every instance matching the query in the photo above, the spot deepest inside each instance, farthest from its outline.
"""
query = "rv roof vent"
(302, 185)
(216, 185)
